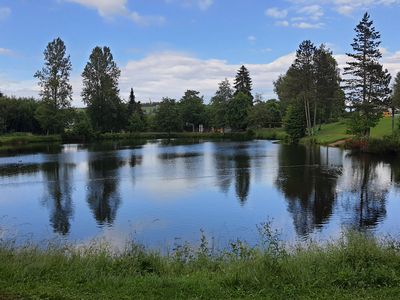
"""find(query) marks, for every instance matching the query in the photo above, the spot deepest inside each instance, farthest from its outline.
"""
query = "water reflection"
(308, 179)
(367, 188)
(242, 176)
(58, 197)
(315, 188)
(102, 187)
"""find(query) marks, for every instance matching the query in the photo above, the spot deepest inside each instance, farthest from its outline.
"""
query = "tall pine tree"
(367, 83)
(304, 68)
(131, 102)
(56, 91)
(100, 90)
(243, 83)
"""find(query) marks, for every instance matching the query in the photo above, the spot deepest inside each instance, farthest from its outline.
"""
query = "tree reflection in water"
(58, 197)
(367, 187)
(308, 181)
(103, 196)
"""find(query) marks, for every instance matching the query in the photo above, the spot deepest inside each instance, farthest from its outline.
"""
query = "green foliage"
(360, 123)
(219, 105)
(192, 110)
(18, 115)
(243, 83)
(56, 90)
(52, 120)
(270, 134)
(151, 122)
(136, 123)
(355, 266)
(100, 91)
(314, 79)
(294, 122)
(367, 84)
(238, 109)
(396, 92)
(265, 115)
(168, 116)
(81, 128)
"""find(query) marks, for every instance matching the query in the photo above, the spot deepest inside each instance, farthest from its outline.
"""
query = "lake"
(163, 192)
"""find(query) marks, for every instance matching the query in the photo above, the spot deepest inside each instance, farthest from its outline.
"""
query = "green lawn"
(337, 131)
(355, 267)
(270, 133)
(27, 138)
(383, 128)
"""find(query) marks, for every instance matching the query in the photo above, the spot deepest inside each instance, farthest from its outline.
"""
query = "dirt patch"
(339, 143)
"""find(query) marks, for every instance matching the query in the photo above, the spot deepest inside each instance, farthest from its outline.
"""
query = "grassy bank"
(165, 135)
(353, 267)
(27, 138)
(334, 132)
(270, 134)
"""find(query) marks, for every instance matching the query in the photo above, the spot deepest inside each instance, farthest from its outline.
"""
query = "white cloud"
(314, 12)
(5, 12)
(307, 17)
(276, 13)
(146, 20)
(251, 38)
(109, 9)
(202, 4)
(169, 74)
(105, 7)
(5, 51)
(20, 88)
(205, 4)
(347, 7)
(307, 25)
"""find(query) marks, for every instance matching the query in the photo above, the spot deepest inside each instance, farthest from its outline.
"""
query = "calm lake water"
(160, 192)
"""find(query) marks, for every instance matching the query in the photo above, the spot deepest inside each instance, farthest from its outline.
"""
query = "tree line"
(312, 92)
(230, 107)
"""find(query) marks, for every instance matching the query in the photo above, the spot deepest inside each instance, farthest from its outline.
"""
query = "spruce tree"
(131, 103)
(367, 83)
(243, 83)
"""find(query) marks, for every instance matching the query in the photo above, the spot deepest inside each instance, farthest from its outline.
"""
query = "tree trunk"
(315, 115)
(393, 110)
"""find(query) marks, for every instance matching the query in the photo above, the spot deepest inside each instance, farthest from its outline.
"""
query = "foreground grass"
(354, 267)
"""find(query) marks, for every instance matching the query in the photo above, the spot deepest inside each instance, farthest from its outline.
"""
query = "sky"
(164, 47)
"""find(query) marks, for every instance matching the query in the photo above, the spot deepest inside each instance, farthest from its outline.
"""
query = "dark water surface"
(159, 191)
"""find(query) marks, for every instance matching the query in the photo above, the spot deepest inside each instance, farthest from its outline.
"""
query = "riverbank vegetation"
(355, 266)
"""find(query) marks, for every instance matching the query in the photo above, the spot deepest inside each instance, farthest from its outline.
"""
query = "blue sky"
(166, 46)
